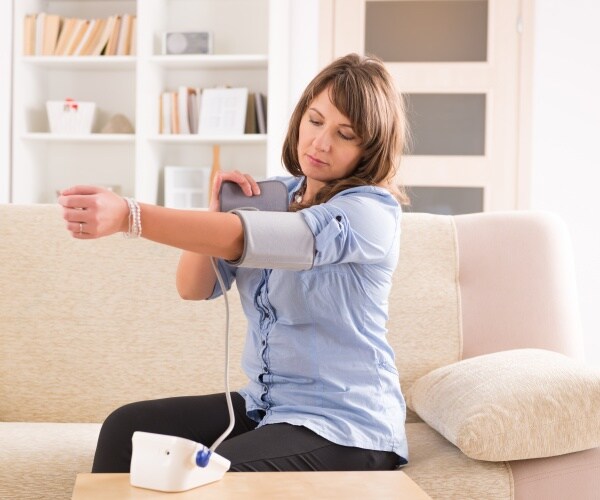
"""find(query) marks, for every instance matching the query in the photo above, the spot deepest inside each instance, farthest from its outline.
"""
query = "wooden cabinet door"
(457, 63)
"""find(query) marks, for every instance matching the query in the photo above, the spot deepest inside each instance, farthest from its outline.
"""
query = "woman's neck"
(310, 189)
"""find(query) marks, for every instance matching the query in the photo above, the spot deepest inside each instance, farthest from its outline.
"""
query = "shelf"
(100, 63)
(197, 139)
(249, 61)
(96, 138)
(131, 85)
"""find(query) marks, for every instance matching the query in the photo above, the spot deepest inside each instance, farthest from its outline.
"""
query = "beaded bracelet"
(135, 219)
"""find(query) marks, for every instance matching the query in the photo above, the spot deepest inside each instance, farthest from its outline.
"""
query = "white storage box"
(71, 117)
(187, 187)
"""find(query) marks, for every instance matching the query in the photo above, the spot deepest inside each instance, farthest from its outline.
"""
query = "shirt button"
(265, 390)
(264, 342)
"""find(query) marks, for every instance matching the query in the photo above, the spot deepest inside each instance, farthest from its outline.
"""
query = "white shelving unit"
(5, 101)
(243, 55)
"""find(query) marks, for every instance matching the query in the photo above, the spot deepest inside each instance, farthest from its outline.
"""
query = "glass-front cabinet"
(457, 64)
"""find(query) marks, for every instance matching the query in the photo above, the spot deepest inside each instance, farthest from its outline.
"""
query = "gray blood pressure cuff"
(276, 240)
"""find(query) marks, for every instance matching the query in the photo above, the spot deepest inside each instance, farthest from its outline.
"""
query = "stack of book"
(52, 35)
(212, 111)
(179, 111)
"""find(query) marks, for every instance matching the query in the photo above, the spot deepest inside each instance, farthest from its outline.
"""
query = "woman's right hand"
(93, 212)
(245, 181)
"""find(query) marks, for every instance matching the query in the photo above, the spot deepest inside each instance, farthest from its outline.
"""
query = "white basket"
(71, 117)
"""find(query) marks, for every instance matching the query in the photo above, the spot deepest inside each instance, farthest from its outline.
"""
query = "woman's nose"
(322, 142)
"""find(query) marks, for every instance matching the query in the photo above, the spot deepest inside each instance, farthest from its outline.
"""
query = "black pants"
(273, 447)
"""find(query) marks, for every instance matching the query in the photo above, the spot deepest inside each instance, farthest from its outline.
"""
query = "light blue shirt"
(316, 352)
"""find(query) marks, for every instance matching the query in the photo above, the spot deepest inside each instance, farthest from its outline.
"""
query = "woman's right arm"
(196, 277)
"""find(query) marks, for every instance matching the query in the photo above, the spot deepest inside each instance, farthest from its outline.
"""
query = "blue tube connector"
(203, 457)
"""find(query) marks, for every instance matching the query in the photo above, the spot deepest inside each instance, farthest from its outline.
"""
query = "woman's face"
(328, 147)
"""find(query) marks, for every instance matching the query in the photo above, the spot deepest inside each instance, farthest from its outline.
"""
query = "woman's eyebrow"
(321, 115)
(316, 111)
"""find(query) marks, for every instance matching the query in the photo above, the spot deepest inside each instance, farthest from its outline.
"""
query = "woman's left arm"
(356, 226)
(93, 212)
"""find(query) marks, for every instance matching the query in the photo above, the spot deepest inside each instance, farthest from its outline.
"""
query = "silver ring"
(80, 227)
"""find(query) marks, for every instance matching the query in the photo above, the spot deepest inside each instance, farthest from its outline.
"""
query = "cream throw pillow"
(512, 405)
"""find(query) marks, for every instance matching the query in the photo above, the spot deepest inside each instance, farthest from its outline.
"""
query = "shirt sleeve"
(228, 273)
(359, 225)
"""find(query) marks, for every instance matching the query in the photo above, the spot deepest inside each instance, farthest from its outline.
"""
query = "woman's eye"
(346, 137)
(314, 122)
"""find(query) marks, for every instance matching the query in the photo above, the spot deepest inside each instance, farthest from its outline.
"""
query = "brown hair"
(362, 89)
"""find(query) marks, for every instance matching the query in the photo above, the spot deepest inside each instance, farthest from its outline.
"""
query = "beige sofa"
(86, 326)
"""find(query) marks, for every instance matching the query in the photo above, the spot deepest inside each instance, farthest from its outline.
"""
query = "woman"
(323, 391)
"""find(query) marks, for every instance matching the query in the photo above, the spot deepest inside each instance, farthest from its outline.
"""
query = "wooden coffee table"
(263, 485)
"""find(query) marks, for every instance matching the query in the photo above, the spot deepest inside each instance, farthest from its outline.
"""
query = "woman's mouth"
(315, 161)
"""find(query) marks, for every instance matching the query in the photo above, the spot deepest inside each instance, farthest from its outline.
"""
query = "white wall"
(566, 136)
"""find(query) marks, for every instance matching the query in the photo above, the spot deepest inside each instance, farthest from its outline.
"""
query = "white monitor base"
(168, 463)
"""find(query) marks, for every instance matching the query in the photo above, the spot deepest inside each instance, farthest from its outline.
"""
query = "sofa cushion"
(87, 326)
(42, 460)
(444, 472)
(512, 405)
(424, 308)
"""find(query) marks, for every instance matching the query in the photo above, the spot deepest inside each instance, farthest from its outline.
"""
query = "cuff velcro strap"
(275, 240)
